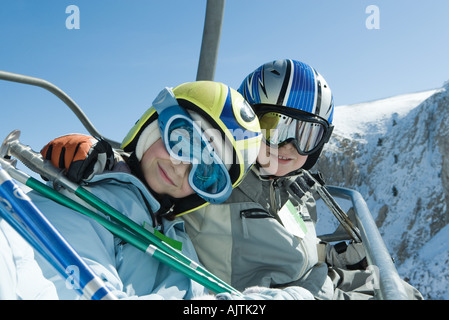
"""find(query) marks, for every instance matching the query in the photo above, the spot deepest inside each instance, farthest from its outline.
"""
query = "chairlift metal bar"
(390, 285)
(14, 77)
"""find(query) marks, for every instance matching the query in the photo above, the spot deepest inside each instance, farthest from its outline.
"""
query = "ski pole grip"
(34, 161)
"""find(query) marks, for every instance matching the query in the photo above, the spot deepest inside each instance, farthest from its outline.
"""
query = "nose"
(182, 169)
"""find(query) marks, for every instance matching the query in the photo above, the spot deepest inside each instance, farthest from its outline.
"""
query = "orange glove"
(81, 156)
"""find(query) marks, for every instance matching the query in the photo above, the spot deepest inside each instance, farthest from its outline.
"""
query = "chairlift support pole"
(211, 40)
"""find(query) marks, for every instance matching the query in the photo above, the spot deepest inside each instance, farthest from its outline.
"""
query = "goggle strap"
(165, 99)
(328, 133)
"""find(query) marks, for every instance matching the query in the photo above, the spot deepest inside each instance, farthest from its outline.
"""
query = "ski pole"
(120, 232)
(5, 214)
(338, 212)
(35, 162)
(19, 206)
(107, 209)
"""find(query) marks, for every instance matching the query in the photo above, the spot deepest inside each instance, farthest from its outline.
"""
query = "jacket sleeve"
(261, 293)
(127, 271)
(90, 240)
(20, 275)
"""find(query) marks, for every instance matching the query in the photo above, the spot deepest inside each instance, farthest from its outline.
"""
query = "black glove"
(81, 156)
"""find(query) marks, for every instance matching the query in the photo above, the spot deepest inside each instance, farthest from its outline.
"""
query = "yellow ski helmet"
(221, 108)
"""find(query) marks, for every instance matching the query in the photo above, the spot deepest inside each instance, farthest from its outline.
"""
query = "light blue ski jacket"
(127, 271)
(20, 276)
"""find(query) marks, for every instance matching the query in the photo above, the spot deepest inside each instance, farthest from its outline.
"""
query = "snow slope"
(393, 151)
(373, 117)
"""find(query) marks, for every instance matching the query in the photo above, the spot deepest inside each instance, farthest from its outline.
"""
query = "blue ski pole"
(19, 207)
(21, 229)
(164, 252)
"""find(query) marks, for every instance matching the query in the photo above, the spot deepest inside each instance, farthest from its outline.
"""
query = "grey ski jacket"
(263, 235)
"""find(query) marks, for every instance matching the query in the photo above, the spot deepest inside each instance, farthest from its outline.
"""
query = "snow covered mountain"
(395, 152)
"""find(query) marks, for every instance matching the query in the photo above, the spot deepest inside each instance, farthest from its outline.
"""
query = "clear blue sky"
(125, 52)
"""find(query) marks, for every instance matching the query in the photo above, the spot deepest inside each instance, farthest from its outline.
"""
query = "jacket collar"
(126, 177)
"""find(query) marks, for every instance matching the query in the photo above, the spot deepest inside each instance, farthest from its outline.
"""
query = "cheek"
(263, 158)
(185, 183)
(187, 189)
(184, 191)
(293, 166)
(300, 161)
(147, 164)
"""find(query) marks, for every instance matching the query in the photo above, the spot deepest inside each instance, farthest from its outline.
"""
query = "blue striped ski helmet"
(292, 87)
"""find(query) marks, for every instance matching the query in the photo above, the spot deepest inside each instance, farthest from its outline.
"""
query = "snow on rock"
(395, 152)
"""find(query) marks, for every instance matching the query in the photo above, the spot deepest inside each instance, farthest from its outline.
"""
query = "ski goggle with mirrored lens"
(306, 132)
(185, 141)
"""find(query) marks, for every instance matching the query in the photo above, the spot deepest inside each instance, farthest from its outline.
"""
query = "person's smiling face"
(163, 174)
(280, 161)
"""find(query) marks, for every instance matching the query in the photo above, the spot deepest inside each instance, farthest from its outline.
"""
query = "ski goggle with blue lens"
(306, 132)
(185, 141)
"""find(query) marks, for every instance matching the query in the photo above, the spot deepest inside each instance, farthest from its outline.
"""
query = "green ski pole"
(116, 229)
(35, 162)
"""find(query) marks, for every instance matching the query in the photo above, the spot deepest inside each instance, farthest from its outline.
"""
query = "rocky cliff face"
(395, 152)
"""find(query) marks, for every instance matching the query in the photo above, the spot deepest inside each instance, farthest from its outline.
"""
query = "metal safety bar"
(14, 77)
(390, 286)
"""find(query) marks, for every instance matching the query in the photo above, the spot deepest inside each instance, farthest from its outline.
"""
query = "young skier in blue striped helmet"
(295, 107)
(294, 104)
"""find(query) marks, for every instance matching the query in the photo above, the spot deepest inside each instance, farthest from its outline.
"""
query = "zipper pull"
(275, 196)
(244, 225)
